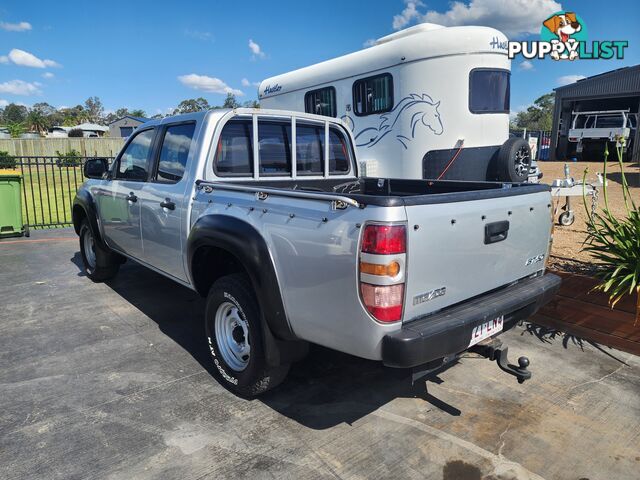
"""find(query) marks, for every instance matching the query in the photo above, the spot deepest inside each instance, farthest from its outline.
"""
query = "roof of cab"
(416, 43)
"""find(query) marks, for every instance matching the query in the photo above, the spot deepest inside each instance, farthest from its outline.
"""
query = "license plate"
(486, 330)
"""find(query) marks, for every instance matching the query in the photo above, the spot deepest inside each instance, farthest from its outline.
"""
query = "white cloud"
(207, 84)
(15, 27)
(513, 17)
(567, 79)
(48, 75)
(256, 50)
(3, 102)
(409, 14)
(370, 42)
(526, 65)
(246, 83)
(20, 87)
(199, 35)
(4, 59)
(26, 59)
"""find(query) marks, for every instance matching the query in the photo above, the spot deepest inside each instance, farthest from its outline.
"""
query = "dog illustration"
(564, 25)
(406, 116)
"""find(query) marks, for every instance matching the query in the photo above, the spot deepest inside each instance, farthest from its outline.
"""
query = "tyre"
(514, 160)
(234, 337)
(99, 264)
(566, 218)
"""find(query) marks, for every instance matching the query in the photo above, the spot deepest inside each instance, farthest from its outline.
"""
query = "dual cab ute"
(263, 213)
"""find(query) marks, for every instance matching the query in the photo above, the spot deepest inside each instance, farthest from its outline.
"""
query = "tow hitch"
(494, 350)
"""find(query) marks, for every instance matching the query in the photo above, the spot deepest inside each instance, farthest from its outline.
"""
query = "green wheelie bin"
(11, 206)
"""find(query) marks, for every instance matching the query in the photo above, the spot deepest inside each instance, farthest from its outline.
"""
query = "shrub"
(7, 161)
(616, 241)
(69, 159)
(76, 133)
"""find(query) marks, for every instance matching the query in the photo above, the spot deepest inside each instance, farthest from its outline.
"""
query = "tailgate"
(457, 251)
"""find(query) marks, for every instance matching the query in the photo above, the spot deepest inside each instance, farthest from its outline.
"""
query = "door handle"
(132, 197)
(168, 204)
(496, 232)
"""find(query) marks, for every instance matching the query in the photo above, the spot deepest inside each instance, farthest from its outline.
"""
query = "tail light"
(382, 270)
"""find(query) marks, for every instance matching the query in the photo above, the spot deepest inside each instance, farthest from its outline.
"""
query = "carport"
(615, 90)
(113, 381)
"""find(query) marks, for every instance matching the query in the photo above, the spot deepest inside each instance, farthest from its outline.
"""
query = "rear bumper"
(449, 332)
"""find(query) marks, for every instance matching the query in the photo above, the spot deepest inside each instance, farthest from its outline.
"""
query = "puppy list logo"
(563, 36)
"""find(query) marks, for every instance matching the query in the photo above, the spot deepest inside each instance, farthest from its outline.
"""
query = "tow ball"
(494, 350)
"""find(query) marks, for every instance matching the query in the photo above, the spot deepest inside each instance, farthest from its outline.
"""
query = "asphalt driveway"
(113, 381)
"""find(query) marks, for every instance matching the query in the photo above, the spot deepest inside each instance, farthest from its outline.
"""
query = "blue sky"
(153, 54)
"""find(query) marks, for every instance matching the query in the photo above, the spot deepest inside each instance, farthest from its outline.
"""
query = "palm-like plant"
(616, 241)
(36, 121)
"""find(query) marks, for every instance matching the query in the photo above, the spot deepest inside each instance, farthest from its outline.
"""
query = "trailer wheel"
(514, 160)
(566, 218)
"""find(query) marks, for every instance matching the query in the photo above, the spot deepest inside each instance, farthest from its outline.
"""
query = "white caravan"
(425, 102)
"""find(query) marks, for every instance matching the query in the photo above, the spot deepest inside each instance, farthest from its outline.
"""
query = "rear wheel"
(99, 264)
(234, 336)
(514, 160)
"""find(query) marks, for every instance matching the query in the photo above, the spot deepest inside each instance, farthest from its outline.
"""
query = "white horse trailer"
(425, 102)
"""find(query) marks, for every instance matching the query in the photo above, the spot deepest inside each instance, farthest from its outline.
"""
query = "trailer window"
(234, 152)
(274, 151)
(489, 91)
(321, 102)
(373, 94)
(309, 149)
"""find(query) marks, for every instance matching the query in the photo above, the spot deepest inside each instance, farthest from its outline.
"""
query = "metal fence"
(542, 145)
(49, 185)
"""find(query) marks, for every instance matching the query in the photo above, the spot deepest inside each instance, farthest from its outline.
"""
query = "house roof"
(137, 119)
(94, 127)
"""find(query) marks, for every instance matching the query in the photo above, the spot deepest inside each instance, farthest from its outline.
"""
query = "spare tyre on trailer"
(513, 160)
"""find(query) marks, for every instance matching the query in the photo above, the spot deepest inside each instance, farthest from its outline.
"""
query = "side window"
(135, 160)
(274, 139)
(309, 149)
(338, 152)
(489, 91)
(373, 94)
(234, 152)
(174, 152)
(321, 102)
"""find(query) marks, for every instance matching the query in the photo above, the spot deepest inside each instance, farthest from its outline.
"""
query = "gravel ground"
(567, 254)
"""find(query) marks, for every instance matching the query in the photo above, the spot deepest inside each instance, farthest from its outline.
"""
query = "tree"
(538, 116)
(36, 121)
(192, 105)
(14, 113)
(94, 109)
(138, 113)
(251, 104)
(230, 101)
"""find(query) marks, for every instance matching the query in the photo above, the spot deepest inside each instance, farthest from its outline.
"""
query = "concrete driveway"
(113, 381)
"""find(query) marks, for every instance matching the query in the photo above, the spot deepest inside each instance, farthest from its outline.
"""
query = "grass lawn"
(48, 192)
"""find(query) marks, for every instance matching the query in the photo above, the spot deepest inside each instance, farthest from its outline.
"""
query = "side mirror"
(96, 167)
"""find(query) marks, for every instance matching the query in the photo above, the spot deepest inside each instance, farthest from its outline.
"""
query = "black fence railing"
(49, 185)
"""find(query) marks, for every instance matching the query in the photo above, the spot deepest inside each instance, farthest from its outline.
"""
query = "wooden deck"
(585, 314)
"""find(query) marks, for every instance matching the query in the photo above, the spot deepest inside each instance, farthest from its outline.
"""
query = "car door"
(162, 200)
(118, 202)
